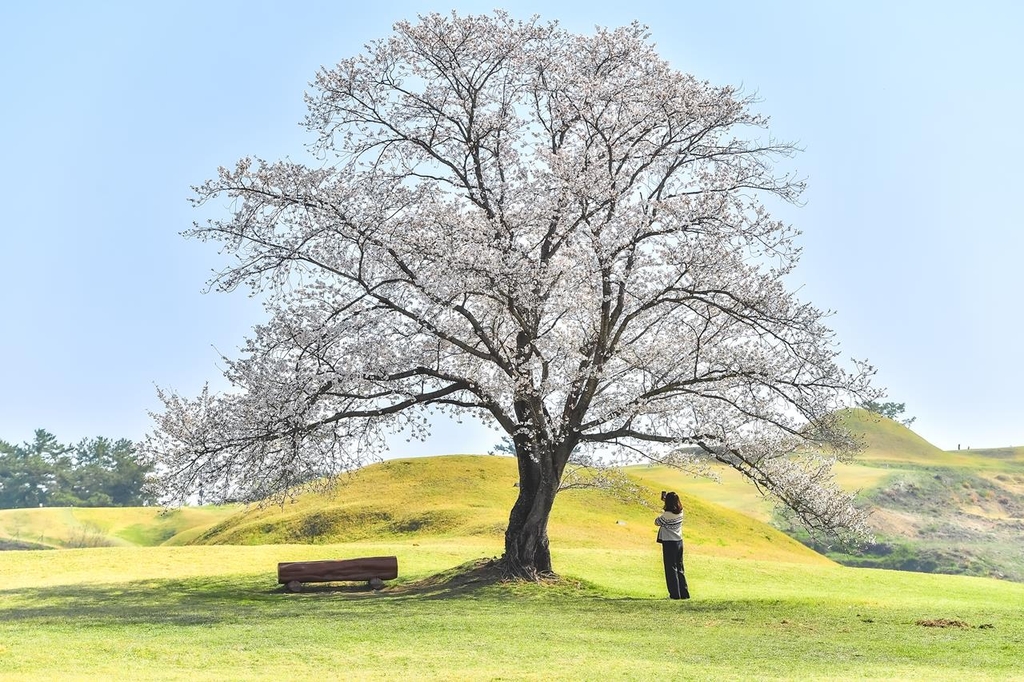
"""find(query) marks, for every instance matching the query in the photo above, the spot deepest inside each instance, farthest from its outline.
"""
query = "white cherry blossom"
(557, 233)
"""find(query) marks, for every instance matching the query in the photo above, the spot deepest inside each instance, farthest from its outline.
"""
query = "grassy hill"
(932, 510)
(77, 527)
(959, 512)
(469, 497)
(459, 497)
(890, 443)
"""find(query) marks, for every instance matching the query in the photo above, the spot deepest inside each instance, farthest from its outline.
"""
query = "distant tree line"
(94, 473)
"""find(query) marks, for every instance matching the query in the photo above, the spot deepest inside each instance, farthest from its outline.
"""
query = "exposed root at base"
(475, 575)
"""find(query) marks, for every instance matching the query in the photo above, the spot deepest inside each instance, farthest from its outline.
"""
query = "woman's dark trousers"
(675, 579)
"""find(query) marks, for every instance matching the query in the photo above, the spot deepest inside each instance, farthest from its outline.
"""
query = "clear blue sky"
(908, 114)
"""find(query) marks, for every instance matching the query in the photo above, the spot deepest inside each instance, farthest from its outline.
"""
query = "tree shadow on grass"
(467, 579)
(460, 581)
(483, 579)
(241, 598)
(202, 602)
(172, 602)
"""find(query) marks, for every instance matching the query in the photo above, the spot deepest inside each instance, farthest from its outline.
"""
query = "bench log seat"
(375, 570)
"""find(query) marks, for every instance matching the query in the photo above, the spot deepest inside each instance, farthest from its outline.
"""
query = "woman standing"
(670, 535)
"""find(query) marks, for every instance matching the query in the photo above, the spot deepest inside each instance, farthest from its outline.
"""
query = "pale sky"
(908, 114)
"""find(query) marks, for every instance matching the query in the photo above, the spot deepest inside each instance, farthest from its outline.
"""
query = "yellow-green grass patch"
(106, 526)
(1011, 455)
(131, 564)
(464, 496)
(731, 489)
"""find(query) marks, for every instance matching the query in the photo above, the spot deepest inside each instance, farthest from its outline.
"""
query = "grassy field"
(763, 607)
(216, 613)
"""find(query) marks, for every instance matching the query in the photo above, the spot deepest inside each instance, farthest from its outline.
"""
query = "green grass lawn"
(764, 607)
(216, 613)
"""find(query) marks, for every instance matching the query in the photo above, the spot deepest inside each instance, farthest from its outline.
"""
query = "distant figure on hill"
(670, 535)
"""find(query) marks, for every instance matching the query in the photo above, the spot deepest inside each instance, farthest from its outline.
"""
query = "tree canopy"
(558, 234)
(96, 472)
(889, 410)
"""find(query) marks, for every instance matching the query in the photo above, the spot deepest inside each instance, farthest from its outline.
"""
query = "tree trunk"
(527, 555)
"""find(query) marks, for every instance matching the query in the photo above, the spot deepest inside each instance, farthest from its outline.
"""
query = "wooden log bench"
(375, 570)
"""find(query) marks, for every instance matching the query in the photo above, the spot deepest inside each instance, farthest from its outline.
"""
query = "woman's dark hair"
(672, 504)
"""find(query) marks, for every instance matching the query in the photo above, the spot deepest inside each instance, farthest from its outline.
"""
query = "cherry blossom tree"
(558, 234)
